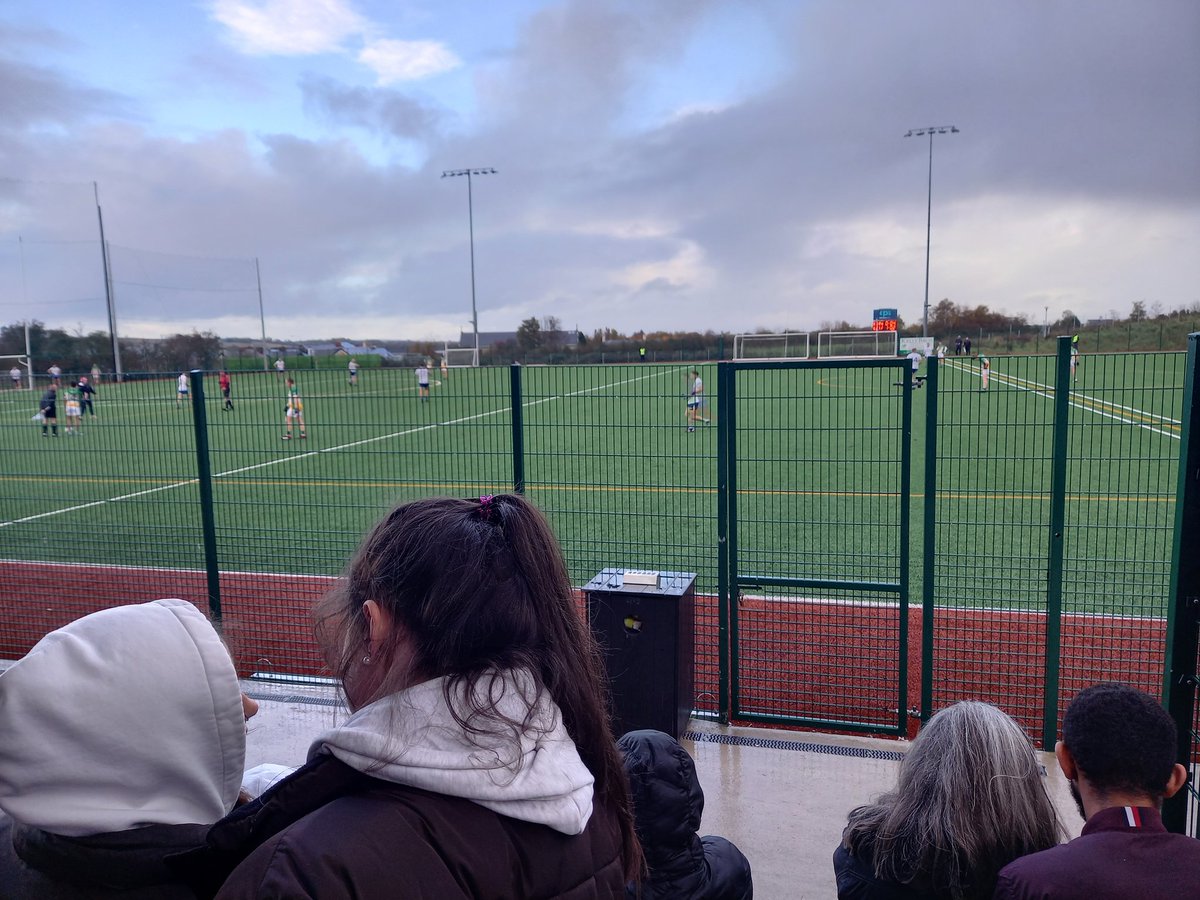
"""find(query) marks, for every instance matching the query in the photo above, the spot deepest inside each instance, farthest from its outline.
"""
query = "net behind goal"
(832, 344)
(786, 345)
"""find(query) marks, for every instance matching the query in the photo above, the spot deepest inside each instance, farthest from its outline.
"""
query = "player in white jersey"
(696, 402)
(181, 390)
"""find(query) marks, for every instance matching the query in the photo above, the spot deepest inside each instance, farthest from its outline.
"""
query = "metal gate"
(816, 479)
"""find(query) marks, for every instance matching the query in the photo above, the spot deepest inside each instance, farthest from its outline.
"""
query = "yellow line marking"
(602, 488)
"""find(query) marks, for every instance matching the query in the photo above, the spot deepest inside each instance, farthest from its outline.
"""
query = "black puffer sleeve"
(668, 805)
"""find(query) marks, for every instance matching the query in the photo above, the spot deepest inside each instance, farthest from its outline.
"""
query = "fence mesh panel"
(1122, 477)
(112, 515)
(609, 458)
(103, 514)
(991, 561)
(818, 453)
(993, 512)
(289, 513)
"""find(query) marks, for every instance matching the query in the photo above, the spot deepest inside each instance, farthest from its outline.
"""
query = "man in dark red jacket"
(1118, 752)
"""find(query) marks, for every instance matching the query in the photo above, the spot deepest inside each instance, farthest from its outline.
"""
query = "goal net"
(786, 345)
(831, 344)
(460, 357)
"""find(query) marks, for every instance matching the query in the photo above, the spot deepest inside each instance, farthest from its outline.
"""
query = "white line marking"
(1045, 390)
(946, 608)
(293, 458)
(166, 570)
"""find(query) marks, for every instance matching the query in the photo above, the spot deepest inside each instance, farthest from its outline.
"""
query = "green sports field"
(605, 450)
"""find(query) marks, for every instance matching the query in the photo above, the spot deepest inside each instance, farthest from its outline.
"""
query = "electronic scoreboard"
(884, 320)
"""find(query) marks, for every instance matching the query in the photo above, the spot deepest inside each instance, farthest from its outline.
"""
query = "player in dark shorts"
(49, 410)
(423, 382)
(226, 386)
(86, 392)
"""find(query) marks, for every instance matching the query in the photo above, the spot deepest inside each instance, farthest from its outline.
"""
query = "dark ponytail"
(476, 587)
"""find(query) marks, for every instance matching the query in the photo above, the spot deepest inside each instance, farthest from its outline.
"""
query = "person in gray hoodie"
(477, 761)
(122, 739)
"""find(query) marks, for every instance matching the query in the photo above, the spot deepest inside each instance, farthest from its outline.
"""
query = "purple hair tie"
(487, 508)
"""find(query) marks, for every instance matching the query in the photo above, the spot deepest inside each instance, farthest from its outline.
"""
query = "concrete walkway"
(781, 796)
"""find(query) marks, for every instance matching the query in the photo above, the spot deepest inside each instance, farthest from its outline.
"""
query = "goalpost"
(785, 345)
(21, 360)
(834, 344)
(460, 357)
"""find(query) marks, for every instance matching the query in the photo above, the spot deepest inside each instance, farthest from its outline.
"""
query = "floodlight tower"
(454, 173)
(921, 132)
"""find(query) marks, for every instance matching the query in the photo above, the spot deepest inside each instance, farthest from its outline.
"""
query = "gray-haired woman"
(970, 800)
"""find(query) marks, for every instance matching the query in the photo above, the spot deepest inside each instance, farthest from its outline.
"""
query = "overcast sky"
(661, 164)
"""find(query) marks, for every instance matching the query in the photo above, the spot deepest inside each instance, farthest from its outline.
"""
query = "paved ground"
(780, 796)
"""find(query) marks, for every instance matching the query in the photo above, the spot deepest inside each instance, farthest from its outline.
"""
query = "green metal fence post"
(730, 611)
(930, 537)
(204, 478)
(518, 428)
(1180, 676)
(910, 384)
(1054, 553)
(724, 398)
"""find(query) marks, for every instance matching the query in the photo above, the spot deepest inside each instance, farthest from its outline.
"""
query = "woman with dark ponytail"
(478, 761)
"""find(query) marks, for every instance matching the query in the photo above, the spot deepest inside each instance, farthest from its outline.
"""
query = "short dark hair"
(1121, 739)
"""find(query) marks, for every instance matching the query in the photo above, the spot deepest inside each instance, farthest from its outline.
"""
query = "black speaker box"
(646, 632)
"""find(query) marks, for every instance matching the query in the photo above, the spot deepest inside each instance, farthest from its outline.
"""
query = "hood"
(412, 738)
(128, 717)
(668, 801)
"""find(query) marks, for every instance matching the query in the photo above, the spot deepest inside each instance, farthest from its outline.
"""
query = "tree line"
(77, 353)
(545, 341)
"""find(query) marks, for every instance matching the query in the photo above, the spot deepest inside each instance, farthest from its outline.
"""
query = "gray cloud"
(33, 96)
(386, 111)
(798, 203)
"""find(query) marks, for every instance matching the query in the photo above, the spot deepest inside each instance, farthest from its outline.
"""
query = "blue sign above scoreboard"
(885, 314)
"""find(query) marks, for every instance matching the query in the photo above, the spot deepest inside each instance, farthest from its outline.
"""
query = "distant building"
(323, 348)
(343, 348)
(352, 349)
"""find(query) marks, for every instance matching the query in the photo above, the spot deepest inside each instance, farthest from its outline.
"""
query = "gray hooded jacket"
(122, 738)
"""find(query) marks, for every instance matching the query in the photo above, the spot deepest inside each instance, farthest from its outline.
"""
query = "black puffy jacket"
(668, 804)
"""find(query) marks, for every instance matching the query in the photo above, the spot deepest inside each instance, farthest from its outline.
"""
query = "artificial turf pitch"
(606, 452)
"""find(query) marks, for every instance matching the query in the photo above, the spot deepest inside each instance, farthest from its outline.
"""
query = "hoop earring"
(366, 660)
